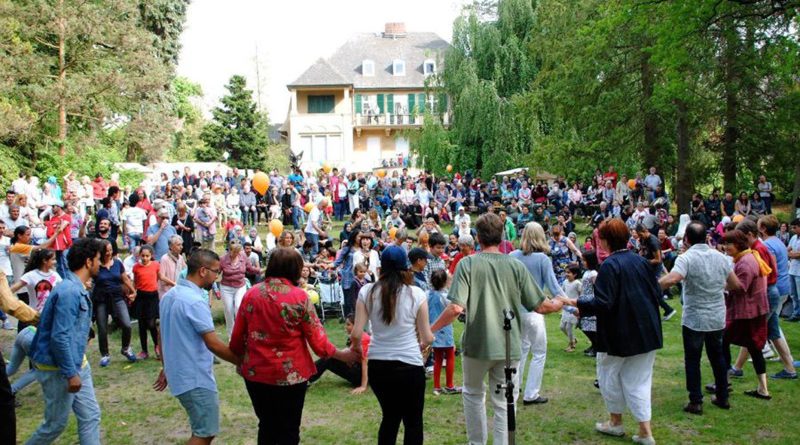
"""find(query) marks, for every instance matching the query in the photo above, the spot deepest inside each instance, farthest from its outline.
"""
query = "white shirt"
(462, 222)
(794, 264)
(39, 285)
(313, 218)
(397, 341)
(705, 272)
(20, 186)
(134, 219)
(424, 197)
(5, 259)
(373, 259)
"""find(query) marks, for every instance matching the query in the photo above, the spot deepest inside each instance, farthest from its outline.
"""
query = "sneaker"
(8, 325)
(609, 429)
(693, 408)
(793, 318)
(644, 440)
(105, 361)
(453, 390)
(537, 401)
(142, 356)
(723, 404)
(666, 317)
(733, 372)
(784, 374)
(128, 353)
(437, 391)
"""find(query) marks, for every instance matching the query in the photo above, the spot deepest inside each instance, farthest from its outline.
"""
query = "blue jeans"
(136, 240)
(61, 263)
(59, 402)
(339, 210)
(296, 220)
(775, 304)
(795, 280)
(314, 238)
(18, 354)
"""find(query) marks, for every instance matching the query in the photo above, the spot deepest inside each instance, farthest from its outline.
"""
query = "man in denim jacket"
(58, 351)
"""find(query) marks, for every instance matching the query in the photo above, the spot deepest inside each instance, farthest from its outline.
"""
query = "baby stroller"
(331, 297)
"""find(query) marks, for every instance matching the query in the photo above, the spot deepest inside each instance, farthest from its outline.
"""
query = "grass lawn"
(135, 414)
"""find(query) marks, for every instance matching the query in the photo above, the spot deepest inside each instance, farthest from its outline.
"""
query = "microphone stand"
(508, 315)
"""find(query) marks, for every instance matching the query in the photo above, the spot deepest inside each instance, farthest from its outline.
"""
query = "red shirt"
(666, 245)
(612, 176)
(99, 189)
(145, 278)
(762, 250)
(274, 328)
(64, 239)
(459, 256)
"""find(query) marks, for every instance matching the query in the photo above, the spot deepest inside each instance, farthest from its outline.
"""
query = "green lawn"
(135, 414)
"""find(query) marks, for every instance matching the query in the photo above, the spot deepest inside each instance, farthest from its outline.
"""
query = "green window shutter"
(390, 103)
(380, 103)
(442, 104)
(321, 104)
(422, 102)
(412, 103)
(358, 103)
(312, 104)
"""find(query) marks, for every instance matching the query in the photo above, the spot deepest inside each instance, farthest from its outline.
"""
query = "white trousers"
(474, 398)
(627, 381)
(231, 299)
(533, 340)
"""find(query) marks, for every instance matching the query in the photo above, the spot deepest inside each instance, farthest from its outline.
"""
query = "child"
(145, 280)
(361, 270)
(589, 324)
(444, 346)
(356, 375)
(572, 287)
(18, 355)
(40, 277)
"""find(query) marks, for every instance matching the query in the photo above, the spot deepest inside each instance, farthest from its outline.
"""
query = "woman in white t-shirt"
(40, 277)
(367, 255)
(398, 313)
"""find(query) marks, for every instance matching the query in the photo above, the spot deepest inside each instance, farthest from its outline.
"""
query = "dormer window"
(429, 67)
(399, 67)
(368, 68)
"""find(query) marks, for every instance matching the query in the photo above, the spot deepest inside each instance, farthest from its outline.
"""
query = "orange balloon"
(738, 218)
(449, 168)
(631, 184)
(276, 227)
(261, 182)
(381, 173)
(392, 233)
(308, 207)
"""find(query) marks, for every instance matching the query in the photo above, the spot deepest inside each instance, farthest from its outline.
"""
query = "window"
(321, 104)
(399, 68)
(368, 68)
(429, 67)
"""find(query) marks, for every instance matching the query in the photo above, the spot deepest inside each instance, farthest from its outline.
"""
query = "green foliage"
(237, 128)
(186, 139)
(165, 20)
(431, 143)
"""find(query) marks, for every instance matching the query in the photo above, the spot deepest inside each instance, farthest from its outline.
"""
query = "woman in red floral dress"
(275, 326)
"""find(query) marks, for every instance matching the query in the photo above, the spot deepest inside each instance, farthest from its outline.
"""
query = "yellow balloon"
(313, 296)
(381, 173)
(738, 218)
(261, 182)
(276, 227)
(392, 232)
(449, 168)
(326, 167)
(308, 207)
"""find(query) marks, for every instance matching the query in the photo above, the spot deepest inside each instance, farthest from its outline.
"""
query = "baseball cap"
(418, 253)
(394, 258)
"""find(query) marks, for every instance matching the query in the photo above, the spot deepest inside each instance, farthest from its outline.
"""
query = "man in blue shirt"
(188, 340)
(158, 234)
(58, 350)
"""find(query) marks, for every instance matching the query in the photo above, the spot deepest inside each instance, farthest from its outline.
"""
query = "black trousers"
(759, 364)
(23, 297)
(350, 373)
(279, 410)
(8, 419)
(693, 342)
(400, 389)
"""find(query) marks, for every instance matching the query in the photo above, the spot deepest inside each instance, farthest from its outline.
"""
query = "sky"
(223, 38)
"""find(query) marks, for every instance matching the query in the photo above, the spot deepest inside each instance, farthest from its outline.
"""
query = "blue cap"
(394, 258)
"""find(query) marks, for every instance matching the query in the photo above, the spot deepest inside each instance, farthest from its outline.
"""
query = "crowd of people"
(74, 253)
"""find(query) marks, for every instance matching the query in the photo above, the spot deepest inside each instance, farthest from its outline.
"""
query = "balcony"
(391, 121)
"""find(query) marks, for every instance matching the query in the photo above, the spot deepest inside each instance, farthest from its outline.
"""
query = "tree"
(237, 128)
(186, 139)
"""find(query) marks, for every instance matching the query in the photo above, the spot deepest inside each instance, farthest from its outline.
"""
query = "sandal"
(754, 393)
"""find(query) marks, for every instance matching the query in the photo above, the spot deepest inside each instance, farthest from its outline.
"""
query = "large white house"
(353, 110)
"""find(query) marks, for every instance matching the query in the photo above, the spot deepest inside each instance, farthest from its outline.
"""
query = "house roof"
(321, 73)
(344, 66)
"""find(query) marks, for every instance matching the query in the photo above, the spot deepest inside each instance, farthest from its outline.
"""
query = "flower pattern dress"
(562, 256)
(588, 324)
(274, 328)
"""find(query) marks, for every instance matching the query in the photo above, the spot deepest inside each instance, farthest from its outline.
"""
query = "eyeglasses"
(216, 271)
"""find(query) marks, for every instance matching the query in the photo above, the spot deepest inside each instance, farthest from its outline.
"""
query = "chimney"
(394, 30)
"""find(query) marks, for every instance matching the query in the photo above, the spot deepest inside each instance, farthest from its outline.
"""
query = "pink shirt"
(170, 269)
(233, 275)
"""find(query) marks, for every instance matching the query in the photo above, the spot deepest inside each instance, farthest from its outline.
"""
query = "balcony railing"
(395, 120)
